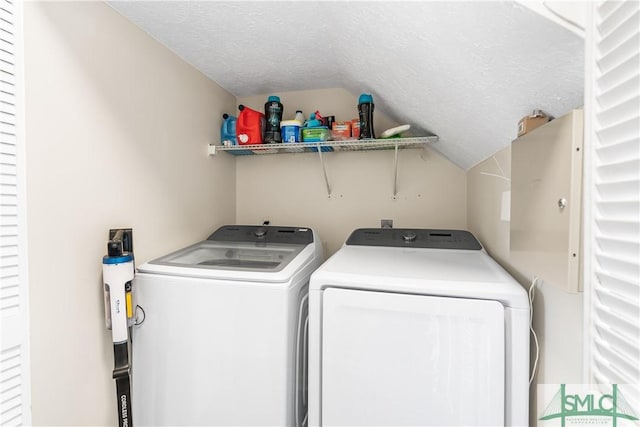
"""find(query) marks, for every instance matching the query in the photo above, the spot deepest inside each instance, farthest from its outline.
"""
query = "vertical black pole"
(123, 390)
(123, 383)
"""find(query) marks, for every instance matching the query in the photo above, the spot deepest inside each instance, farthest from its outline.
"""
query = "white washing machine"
(222, 341)
(416, 328)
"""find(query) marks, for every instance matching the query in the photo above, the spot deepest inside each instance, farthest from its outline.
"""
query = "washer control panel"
(263, 233)
(415, 238)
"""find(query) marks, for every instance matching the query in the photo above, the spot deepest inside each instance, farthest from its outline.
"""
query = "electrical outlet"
(386, 223)
(505, 208)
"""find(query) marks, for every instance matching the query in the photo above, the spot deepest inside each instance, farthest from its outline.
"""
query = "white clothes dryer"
(414, 327)
(222, 341)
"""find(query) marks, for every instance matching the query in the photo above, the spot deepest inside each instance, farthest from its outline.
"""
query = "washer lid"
(250, 253)
(233, 256)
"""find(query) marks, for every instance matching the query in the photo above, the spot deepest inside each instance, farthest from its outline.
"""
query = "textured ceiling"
(466, 71)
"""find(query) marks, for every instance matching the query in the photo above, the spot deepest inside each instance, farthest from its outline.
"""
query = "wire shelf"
(326, 146)
(394, 144)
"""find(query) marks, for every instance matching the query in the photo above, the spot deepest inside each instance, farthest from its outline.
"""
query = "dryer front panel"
(408, 360)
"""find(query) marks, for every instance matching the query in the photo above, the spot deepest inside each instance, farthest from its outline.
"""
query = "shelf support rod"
(395, 172)
(324, 170)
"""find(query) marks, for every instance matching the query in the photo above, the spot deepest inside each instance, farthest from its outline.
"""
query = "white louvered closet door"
(15, 399)
(612, 257)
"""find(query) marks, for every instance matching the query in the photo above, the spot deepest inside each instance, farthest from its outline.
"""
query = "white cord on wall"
(570, 22)
(502, 174)
(532, 295)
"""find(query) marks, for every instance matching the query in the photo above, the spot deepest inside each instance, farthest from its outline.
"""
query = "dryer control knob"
(409, 236)
(260, 232)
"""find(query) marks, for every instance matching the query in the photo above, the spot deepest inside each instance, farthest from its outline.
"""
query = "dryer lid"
(443, 266)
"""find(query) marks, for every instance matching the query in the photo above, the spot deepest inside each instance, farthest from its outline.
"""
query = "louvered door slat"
(14, 349)
(613, 257)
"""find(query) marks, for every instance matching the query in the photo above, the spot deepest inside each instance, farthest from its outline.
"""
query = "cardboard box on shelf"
(341, 131)
(528, 123)
(355, 128)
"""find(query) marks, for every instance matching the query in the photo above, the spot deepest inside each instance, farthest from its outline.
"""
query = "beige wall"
(290, 189)
(117, 129)
(558, 314)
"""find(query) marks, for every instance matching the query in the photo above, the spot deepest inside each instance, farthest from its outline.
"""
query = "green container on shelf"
(316, 134)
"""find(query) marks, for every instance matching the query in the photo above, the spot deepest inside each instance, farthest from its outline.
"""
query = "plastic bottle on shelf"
(299, 117)
(273, 111)
(365, 111)
(228, 130)
(250, 126)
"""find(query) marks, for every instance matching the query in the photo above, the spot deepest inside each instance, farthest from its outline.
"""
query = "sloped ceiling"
(466, 71)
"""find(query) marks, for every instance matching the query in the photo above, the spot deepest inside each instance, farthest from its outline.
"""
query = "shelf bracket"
(395, 172)
(324, 170)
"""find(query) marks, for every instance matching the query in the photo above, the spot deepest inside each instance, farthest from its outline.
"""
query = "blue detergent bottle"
(228, 130)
